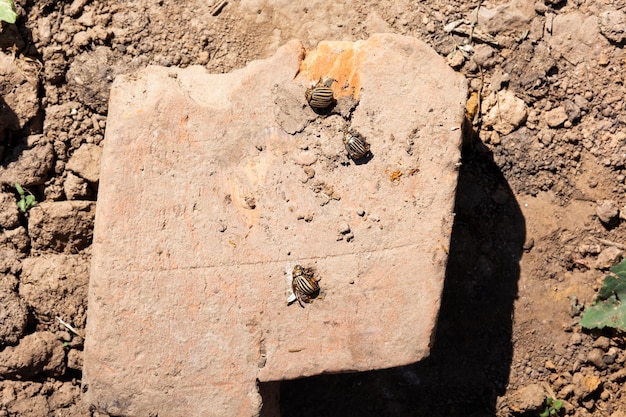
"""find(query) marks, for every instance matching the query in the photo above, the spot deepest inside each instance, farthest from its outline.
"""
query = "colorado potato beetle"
(356, 145)
(305, 285)
(320, 96)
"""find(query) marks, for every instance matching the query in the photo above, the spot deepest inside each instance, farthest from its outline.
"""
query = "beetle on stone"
(320, 96)
(356, 145)
(304, 284)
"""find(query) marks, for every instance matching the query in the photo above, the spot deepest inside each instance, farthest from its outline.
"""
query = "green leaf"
(26, 201)
(545, 413)
(18, 187)
(558, 404)
(609, 307)
(8, 12)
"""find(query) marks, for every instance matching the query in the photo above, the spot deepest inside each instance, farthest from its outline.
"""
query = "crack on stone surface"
(242, 263)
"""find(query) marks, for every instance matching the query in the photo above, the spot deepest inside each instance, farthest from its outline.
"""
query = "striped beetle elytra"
(320, 96)
(356, 145)
(305, 285)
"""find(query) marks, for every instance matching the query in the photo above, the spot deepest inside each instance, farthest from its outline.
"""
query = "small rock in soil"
(37, 353)
(575, 339)
(622, 213)
(63, 396)
(566, 391)
(18, 89)
(608, 257)
(572, 110)
(607, 212)
(455, 59)
(575, 36)
(484, 55)
(91, 74)
(589, 404)
(556, 117)
(75, 359)
(36, 405)
(75, 187)
(610, 356)
(85, 162)
(8, 211)
(62, 226)
(13, 315)
(595, 357)
(32, 159)
(584, 385)
(602, 342)
(587, 249)
(612, 25)
(575, 306)
(513, 17)
(56, 285)
(527, 399)
(16, 238)
(507, 113)
(9, 259)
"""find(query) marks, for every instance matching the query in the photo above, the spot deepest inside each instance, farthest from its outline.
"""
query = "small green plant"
(8, 12)
(553, 407)
(26, 201)
(609, 307)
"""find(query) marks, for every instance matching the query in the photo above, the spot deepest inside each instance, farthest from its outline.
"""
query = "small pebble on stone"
(250, 203)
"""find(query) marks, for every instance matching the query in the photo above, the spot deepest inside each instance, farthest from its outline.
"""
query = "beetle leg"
(299, 298)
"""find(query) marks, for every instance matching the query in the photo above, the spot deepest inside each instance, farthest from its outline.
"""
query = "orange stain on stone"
(338, 60)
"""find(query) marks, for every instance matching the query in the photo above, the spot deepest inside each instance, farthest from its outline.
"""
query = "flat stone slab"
(214, 186)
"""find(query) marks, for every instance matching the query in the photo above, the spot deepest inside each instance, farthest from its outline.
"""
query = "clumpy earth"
(539, 207)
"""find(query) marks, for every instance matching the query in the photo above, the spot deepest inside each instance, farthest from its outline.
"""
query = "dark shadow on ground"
(469, 364)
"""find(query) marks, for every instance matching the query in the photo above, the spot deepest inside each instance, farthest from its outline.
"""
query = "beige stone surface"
(207, 202)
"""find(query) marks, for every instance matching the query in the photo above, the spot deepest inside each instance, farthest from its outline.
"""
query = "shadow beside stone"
(469, 364)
